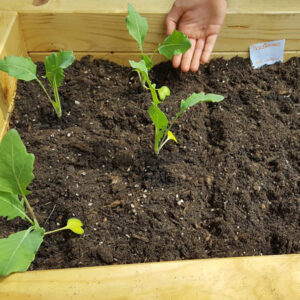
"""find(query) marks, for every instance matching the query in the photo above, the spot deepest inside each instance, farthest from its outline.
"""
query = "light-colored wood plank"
(85, 32)
(251, 278)
(242, 30)
(153, 6)
(105, 33)
(122, 58)
(258, 6)
(6, 22)
(98, 26)
(90, 6)
(11, 43)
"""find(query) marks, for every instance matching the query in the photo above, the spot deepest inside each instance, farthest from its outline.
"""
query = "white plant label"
(267, 53)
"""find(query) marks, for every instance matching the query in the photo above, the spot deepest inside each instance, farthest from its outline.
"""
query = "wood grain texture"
(260, 278)
(11, 43)
(99, 25)
(122, 58)
(153, 6)
(107, 32)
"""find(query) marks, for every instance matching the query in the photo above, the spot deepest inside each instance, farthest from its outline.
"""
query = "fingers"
(187, 57)
(171, 26)
(191, 59)
(197, 55)
(172, 18)
(177, 61)
(209, 45)
(199, 52)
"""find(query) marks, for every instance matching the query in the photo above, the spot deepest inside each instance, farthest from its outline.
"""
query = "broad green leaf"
(16, 165)
(75, 225)
(19, 67)
(19, 249)
(64, 58)
(163, 92)
(159, 119)
(55, 63)
(137, 26)
(140, 66)
(147, 61)
(11, 207)
(197, 98)
(175, 44)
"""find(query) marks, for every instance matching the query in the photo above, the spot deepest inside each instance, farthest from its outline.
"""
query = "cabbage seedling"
(163, 132)
(175, 44)
(25, 69)
(16, 172)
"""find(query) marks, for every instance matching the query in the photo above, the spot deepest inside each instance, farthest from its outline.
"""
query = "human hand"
(201, 21)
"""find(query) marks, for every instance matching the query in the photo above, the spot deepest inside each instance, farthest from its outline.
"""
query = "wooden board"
(11, 43)
(99, 25)
(107, 32)
(251, 278)
(153, 6)
(122, 58)
(6, 22)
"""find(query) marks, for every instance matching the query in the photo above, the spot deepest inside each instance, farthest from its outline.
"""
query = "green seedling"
(16, 172)
(175, 44)
(25, 69)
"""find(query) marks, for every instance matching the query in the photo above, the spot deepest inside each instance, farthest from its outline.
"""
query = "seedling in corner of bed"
(25, 69)
(18, 250)
(175, 44)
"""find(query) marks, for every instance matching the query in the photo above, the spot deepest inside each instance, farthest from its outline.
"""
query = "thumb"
(172, 18)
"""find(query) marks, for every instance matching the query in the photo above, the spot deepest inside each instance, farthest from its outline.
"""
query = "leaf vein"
(15, 206)
(17, 248)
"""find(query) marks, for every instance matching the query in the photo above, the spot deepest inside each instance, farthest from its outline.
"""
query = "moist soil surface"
(231, 187)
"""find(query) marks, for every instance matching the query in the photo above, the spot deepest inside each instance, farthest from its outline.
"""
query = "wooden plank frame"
(260, 278)
(96, 27)
(97, 34)
(11, 43)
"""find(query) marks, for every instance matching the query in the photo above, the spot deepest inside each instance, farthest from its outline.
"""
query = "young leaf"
(11, 207)
(55, 63)
(19, 67)
(197, 98)
(159, 119)
(147, 61)
(175, 44)
(75, 225)
(64, 58)
(136, 25)
(140, 66)
(171, 136)
(19, 249)
(163, 92)
(16, 165)
(214, 98)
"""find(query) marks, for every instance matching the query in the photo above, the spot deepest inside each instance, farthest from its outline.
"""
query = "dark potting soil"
(231, 187)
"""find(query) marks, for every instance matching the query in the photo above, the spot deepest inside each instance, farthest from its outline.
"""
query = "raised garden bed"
(230, 188)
